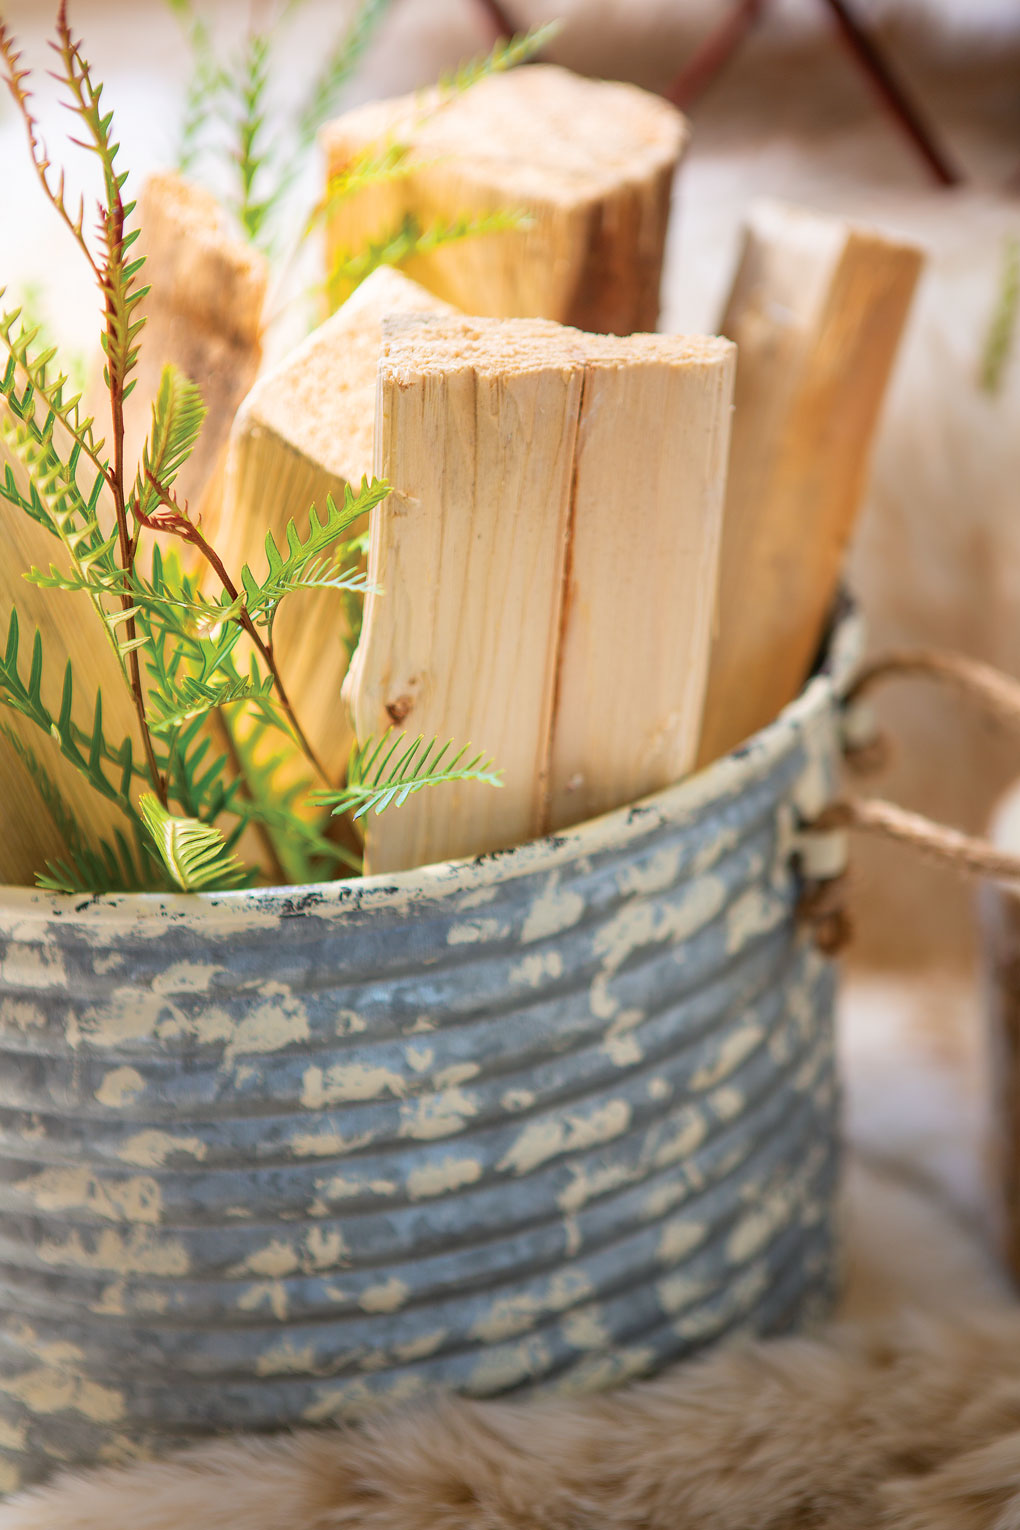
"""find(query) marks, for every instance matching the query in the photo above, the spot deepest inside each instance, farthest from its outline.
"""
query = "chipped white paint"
(121, 1086)
(151, 1149)
(654, 875)
(437, 1115)
(677, 1239)
(388, 1296)
(532, 970)
(440, 1177)
(623, 1050)
(345, 1082)
(284, 1359)
(729, 1053)
(541, 1140)
(279, 1021)
(137, 1199)
(754, 913)
(48, 1389)
(555, 909)
(136, 1252)
(474, 932)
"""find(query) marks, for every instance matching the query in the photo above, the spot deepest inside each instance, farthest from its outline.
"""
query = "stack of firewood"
(609, 555)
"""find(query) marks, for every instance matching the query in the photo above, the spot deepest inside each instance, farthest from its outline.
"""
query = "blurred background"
(937, 558)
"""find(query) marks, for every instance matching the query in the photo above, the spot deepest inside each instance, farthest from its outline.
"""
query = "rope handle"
(823, 903)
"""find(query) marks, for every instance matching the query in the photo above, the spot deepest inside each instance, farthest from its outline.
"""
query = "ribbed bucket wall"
(557, 1116)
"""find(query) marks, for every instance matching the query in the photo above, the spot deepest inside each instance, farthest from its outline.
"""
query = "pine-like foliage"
(261, 145)
(384, 772)
(1002, 328)
(191, 788)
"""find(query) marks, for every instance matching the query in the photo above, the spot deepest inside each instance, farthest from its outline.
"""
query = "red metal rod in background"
(714, 54)
(497, 15)
(893, 95)
(725, 39)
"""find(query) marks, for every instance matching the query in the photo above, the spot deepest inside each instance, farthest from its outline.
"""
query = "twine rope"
(997, 694)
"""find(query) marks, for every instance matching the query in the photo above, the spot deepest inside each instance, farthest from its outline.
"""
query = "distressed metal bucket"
(552, 1117)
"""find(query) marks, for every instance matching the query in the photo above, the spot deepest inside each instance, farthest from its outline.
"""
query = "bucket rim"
(611, 831)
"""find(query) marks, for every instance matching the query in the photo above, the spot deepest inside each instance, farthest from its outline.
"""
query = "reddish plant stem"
(178, 523)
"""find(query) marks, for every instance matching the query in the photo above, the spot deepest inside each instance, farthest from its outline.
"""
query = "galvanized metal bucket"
(551, 1117)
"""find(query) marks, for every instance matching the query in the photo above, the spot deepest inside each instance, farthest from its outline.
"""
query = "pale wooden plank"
(648, 499)
(816, 309)
(477, 428)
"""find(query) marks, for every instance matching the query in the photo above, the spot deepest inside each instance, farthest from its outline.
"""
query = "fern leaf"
(177, 417)
(117, 273)
(344, 59)
(19, 339)
(409, 239)
(302, 552)
(206, 82)
(253, 155)
(384, 772)
(506, 53)
(197, 698)
(88, 750)
(16, 77)
(99, 866)
(1003, 326)
(194, 853)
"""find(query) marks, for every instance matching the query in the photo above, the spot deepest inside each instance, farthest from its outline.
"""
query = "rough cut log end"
(591, 162)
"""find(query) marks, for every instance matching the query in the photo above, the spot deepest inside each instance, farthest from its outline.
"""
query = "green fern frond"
(381, 774)
(19, 336)
(51, 496)
(506, 53)
(325, 94)
(196, 698)
(390, 159)
(118, 275)
(206, 82)
(303, 551)
(178, 412)
(1003, 326)
(100, 866)
(409, 239)
(16, 77)
(87, 749)
(195, 853)
(253, 154)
